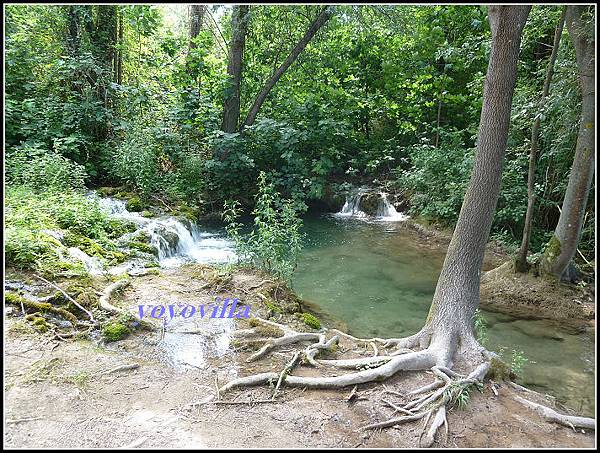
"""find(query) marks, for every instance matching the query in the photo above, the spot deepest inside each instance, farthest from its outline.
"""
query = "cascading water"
(351, 207)
(385, 210)
(175, 240)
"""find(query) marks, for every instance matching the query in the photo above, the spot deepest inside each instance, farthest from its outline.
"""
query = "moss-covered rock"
(147, 214)
(118, 227)
(310, 320)
(114, 331)
(135, 204)
(38, 322)
(41, 307)
(107, 191)
(143, 247)
(94, 248)
(369, 203)
(190, 213)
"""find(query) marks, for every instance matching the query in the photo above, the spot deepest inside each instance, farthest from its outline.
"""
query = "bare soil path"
(63, 393)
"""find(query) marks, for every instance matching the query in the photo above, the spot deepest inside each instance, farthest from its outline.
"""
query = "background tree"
(521, 259)
(563, 245)
(231, 107)
(196, 20)
(319, 21)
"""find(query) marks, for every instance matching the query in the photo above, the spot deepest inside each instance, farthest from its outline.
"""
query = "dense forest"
(132, 95)
(475, 121)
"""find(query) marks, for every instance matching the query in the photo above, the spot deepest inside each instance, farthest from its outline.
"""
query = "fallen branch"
(132, 366)
(69, 298)
(20, 420)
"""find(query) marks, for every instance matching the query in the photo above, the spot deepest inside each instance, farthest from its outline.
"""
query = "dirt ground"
(65, 394)
(528, 296)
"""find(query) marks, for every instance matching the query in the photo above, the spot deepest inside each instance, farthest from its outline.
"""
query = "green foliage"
(480, 327)
(273, 244)
(518, 360)
(458, 395)
(359, 105)
(310, 320)
(437, 180)
(36, 223)
(38, 168)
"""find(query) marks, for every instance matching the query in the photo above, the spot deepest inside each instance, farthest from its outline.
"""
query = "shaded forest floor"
(66, 394)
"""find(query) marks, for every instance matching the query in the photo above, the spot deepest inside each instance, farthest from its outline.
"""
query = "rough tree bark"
(521, 264)
(73, 39)
(196, 20)
(231, 106)
(562, 247)
(320, 20)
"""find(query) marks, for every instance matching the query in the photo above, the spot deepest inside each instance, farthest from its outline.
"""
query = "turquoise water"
(378, 280)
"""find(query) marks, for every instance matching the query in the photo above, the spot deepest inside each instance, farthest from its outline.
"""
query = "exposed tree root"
(104, 301)
(552, 416)
(428, 402)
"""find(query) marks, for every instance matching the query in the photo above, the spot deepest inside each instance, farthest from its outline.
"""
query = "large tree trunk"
(450, 320)
(196, 20)
(231, 106)
(521, 259)
(321, 19)
(562, 247)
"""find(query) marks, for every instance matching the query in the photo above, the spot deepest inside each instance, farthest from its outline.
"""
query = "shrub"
(437, 180)
(275, 240)
(42, 170)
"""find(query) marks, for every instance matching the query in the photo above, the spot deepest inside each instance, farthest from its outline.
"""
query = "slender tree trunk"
(196, 20)
(321, 19)
(521, 259)
(231, 106)
(73, 39)
(562, 247)
(439, 109)
(120, 50)
(104, 37)
(450, 320)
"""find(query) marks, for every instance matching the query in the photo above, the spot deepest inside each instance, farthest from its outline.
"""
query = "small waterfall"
(92, 264)
(387, 212)
(351, 207)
